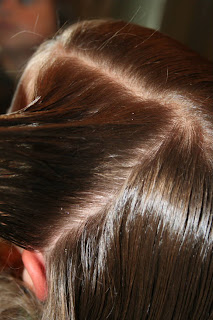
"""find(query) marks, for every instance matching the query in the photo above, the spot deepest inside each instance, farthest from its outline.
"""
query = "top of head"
(115, 149)
(125, 93)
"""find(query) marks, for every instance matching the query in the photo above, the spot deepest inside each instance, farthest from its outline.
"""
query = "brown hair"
(109, 172)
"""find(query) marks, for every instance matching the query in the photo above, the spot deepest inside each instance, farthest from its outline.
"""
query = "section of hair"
(17, 302)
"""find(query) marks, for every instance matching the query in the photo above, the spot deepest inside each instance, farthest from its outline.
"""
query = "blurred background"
(24, 24)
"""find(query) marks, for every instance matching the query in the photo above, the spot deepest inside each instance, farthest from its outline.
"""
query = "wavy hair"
(107, 169)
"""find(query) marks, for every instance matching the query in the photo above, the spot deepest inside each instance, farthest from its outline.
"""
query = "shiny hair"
(108, 170)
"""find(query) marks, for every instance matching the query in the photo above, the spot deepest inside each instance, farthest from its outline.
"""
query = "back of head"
(108, 171)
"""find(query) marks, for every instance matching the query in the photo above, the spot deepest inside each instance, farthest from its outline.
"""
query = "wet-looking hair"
(108, 170)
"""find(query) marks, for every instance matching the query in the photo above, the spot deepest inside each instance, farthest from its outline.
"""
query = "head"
(106, 175)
